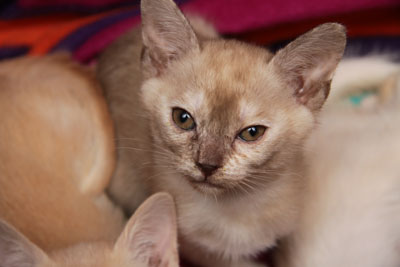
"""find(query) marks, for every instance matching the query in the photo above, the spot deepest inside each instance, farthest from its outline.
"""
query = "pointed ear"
(307, 64)
(167, 35)
(16, 250)
(150, 236)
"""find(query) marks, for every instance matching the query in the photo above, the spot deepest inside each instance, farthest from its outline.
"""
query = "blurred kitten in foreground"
(56, 158)
(56, 153)
(149, 239)
(351, 213)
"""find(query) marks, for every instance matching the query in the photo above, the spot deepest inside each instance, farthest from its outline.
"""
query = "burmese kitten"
(148, 240)
(351, 213)
(56, 153)
(219, 124)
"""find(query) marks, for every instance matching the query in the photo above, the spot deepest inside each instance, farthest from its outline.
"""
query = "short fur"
(351, 213)
(56, 153)
(251, 199)
(148, 240)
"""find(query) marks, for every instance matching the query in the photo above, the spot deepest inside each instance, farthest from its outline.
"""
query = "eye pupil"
(252, 131)
(184, 117)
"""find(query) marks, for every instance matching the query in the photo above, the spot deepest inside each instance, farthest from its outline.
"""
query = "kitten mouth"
(205, 186)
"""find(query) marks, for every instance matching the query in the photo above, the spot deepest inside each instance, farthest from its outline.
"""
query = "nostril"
(207, 169)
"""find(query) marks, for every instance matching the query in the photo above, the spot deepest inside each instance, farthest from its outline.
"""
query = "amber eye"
(183, 119)
(252, 133)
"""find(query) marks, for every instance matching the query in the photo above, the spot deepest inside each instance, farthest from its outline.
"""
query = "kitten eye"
(252, 133)
(183, 119)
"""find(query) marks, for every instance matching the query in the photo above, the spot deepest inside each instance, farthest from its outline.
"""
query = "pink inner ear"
(166, 34)
(316, 83)
(162, 245)
(150, 234)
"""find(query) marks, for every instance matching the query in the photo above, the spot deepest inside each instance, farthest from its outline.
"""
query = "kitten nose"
(207, 169)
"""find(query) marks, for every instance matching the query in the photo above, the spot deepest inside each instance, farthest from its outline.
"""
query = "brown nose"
(207, 169)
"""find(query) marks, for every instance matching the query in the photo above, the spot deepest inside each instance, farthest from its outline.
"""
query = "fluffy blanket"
(86, 27)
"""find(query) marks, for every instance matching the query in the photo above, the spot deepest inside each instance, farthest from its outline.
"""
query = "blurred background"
(86, 27)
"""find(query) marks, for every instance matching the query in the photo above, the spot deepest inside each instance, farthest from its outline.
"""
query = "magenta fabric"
(241, 15)
(231, 16)
(99, 41)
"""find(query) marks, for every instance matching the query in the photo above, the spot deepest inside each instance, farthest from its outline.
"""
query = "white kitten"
(351, 213)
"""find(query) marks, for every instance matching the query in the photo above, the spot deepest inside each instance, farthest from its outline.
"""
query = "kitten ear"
(166, 33)
(307, 64)
(16, 250)
(150, 236)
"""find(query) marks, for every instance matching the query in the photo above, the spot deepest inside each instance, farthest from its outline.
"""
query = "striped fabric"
(86, 27)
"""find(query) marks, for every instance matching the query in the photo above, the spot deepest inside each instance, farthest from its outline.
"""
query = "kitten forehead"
(220, 81)
(232, 65)
(219, 52)
(252, 114)
(237, 77)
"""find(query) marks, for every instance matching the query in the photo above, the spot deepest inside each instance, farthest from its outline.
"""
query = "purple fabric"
(15, 10)
(96, 3)
(230, 17)
(76, 39)
(100, 40)
(15, 51)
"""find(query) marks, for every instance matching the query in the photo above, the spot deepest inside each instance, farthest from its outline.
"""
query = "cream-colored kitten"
(56, 157)
(56, 153)
(219, 124)
(148, 240)
(351, 213)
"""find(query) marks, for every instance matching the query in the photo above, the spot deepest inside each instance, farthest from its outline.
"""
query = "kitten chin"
(217, 123)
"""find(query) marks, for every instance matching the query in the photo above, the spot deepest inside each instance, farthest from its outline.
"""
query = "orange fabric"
(44, 32)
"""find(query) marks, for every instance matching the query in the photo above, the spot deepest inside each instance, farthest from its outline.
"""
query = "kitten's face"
(227, 115)
(243, 124)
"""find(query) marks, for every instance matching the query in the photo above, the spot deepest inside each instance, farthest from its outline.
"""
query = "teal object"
(356, 100)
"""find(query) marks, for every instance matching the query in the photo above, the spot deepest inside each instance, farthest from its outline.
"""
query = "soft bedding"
(86, 27)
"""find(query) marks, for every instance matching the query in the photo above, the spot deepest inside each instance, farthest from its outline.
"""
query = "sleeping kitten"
(56, 153)
(351, 213)
(148, 240)
(56, 158)
(217, 123)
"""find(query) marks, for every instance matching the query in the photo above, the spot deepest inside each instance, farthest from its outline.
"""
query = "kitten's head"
(224, 114)
(148, 240)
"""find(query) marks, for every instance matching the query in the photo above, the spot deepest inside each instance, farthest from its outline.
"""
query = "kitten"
(56, 153)
(217, 123)
(351, 213)
(148, 240)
